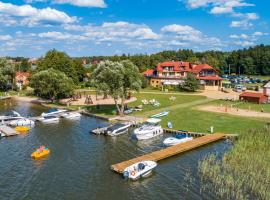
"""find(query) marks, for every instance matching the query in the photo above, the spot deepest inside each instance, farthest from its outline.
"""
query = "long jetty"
(170, 151)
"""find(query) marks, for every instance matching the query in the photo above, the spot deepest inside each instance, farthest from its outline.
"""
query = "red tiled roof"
(178, 66)
(252, 94)
(210, 78)
(148, 72)
(20, 74)
(197, 68)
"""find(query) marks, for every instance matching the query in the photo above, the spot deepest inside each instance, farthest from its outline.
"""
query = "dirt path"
(209, 94)
(95, 101)
(233, 111)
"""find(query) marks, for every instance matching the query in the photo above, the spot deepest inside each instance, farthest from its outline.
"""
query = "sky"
(108, 27)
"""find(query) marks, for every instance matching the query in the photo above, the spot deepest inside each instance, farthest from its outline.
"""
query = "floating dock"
(8, 131)
(170, 151)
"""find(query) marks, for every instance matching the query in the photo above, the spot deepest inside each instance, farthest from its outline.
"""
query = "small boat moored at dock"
(10, 117)
(149, 129)
(171, 141)
(49, 119)
(71, 115)
(53, 112)
(40, 152)
(22, 122)
(139, 170)
(117, 129)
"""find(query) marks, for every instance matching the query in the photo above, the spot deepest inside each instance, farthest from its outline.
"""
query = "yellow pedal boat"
(40, 152)
(22, 128)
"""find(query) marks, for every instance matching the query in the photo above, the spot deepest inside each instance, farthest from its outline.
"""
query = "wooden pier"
(8, 131)
(170, 151)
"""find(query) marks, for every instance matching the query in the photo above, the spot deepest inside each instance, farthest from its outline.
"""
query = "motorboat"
(22, 122)
(118, 129)
(149, 129)
(10, 117)
(49, 119)
(139, 170)
(171, 141)
(71, 115)
(162, 114)
(53, 112)
(40, 152)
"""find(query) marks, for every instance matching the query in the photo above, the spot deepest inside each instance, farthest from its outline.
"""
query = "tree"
(79, 68)
(52, 84)
(190, 83)
(24, 66)
(59, 61)
(7, 74)
(117, 79)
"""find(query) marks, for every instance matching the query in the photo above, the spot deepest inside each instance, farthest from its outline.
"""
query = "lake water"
(78, 167)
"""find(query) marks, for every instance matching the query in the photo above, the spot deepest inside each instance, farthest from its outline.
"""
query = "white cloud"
(229, 7)
(241, 36)
(32, 16)
(5, 37)
(242, 24)
(212, 3)
(180, 29)
(184, 34)
(83, 3)
(244, 43)
(119, 31)
(60, 36)
(79, 3)
(258, 33)
(221, 10)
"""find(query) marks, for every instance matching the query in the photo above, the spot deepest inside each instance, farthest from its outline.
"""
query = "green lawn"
(163, 99)
(200, 121)
(185, 116)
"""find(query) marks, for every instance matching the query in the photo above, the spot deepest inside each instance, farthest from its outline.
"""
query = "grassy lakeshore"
(184, 114)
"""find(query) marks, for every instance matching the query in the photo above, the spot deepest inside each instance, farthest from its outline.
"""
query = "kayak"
(162, 114)
(41, 152)
(22, 128)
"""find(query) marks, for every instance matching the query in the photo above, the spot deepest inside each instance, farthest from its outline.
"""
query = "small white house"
(266, 89)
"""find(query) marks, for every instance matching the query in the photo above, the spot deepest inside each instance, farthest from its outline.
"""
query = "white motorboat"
(53, 112)
(71, 115)
(118, 129)
(149, 129)
(49, 119)
(10, 117)
(171, 141)
(22, 122)
(139, 170)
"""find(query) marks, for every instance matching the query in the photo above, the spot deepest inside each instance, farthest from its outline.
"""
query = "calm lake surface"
(79, 164)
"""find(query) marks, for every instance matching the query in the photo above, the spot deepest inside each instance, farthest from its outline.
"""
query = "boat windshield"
(52, 110)
(49, 117)
(115, 126)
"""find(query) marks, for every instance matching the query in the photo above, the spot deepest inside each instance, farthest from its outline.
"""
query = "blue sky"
(107, 27)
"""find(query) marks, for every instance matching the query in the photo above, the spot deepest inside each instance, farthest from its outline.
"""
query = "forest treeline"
(250, 61)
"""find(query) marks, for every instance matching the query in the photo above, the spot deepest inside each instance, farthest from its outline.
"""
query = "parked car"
(239, 88)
